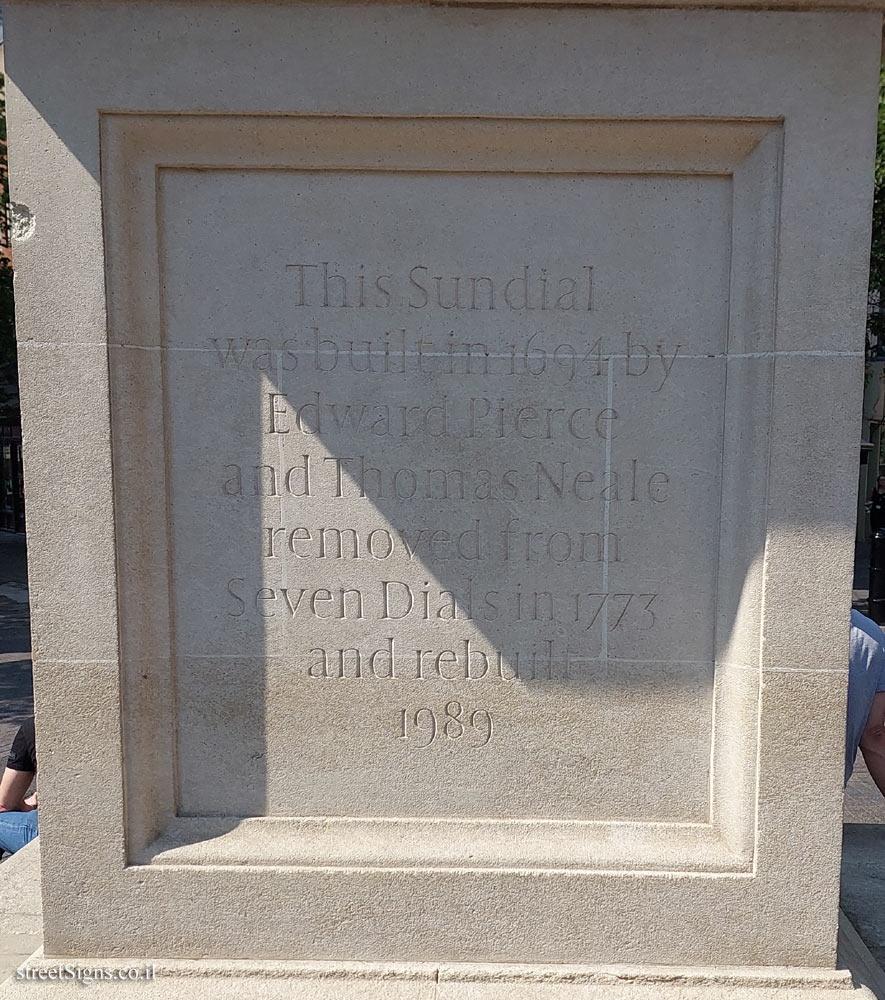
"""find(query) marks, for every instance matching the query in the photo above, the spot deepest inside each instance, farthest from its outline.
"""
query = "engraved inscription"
(530, 287)
(400, 352)
(456, 480)
(472, 728)
(324, 416)
(326, 439)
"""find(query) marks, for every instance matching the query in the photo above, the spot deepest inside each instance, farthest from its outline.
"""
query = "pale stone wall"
(573, 688)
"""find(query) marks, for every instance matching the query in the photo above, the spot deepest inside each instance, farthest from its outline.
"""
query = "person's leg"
(17, 829)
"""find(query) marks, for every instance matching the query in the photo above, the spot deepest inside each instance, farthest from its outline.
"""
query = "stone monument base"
(419, 401)
(241, 980)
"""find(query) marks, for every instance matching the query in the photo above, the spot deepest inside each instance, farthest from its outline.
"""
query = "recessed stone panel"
(444, 457)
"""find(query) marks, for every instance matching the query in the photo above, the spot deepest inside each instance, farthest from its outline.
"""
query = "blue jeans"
(17, 829)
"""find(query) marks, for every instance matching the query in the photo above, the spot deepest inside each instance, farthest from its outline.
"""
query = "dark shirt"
(23, 755)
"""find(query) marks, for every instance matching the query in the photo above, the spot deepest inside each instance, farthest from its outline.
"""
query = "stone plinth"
(441, 436)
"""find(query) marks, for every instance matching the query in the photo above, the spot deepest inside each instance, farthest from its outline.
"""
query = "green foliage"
(8, 358)
(7, 316)
(876, 324)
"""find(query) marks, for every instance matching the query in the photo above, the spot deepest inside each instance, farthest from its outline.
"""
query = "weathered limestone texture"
(441, 429)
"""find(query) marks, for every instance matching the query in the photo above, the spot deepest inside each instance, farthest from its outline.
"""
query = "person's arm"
(13, 786)
(872, 742)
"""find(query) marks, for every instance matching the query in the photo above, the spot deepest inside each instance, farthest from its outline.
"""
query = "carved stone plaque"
(445, 474)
